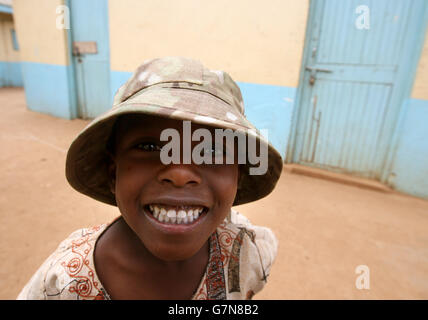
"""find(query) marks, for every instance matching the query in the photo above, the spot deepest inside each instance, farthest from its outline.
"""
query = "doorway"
(356, 72)
(91, 56)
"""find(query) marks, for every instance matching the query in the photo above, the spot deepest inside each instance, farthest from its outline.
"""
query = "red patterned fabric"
(239, 252)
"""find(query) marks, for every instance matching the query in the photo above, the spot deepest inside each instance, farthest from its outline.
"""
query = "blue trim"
(47, 88)
(6, 9)
(410, 167)
(10, 74)
(266, 106)
(72, 101)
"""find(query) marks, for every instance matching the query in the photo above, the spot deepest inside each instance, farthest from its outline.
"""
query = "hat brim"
(87, 158)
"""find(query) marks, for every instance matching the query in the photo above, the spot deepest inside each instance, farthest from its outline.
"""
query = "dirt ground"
(325, 229)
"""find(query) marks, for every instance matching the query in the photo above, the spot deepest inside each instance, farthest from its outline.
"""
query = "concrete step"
(337, 177)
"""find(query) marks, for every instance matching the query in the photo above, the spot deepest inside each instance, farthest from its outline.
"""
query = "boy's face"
(144, 184)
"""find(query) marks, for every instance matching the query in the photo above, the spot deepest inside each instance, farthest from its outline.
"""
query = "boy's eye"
(148, 146)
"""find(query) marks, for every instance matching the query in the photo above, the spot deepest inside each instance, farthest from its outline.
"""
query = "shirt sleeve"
(35, 288)
(258, 253)
(45, 278)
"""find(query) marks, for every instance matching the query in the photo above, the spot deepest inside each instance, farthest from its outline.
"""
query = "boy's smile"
(173, 209)
(176, 214)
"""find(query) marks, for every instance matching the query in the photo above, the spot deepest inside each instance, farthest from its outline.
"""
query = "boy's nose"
(179, 175)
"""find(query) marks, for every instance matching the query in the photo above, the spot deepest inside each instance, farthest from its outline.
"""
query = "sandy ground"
(325, 229)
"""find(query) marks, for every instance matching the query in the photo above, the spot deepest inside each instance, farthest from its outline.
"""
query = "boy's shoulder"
(237, 224)
(81, 237)
(248, 252)
(69, 272)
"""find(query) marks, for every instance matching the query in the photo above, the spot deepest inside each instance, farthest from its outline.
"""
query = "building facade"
(10, 66)
(340, 85)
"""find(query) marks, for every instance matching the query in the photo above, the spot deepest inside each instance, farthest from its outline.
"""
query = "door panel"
(89, 23)
(352, 88)
(337, 137)
(342, 43)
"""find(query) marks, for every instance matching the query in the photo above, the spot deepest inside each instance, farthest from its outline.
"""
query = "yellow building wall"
(420, 86)
(254, 41)
(7, 53)
(39, 39)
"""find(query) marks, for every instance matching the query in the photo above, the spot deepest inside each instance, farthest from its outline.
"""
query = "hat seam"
(159, 85)
(191, 112)
(148, 87)
(192, 89)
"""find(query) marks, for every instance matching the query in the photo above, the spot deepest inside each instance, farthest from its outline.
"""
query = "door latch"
(81, 48)
(314, 71)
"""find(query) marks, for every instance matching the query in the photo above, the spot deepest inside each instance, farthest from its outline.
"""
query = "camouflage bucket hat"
(176, 88)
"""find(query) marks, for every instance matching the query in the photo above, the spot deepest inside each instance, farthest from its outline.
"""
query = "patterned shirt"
(240, 259)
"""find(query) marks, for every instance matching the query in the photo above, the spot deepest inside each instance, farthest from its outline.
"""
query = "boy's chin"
(175, 253)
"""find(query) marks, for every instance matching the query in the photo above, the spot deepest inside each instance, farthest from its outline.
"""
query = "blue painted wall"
(6, 9)
(10, 74)
(410, 167)
(46, 89)
(266, 106)
(270, 107)
(117, 79)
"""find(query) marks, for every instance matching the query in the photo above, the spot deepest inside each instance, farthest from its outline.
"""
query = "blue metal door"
(355, 75)
(91, 56)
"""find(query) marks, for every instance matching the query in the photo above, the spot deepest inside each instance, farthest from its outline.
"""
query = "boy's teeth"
(181, 214)
(172, 216)
(161, 217)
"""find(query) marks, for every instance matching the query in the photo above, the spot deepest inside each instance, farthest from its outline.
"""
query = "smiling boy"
(177, 236)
